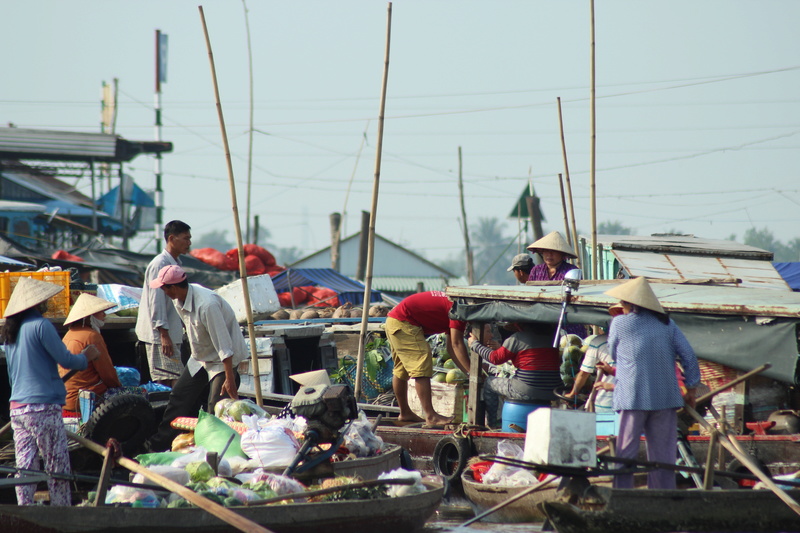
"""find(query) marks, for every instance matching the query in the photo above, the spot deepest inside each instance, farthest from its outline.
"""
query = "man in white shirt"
(158, 325)
(217, 345)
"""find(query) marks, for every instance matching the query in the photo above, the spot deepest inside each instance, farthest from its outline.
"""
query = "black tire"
(450, 458)
(739, 468)
(128, 418)
(406, 462)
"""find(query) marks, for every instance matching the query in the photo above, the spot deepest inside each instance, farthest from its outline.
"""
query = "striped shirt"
(536, 362)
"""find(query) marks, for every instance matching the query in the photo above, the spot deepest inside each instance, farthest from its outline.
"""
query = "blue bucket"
(516, 412)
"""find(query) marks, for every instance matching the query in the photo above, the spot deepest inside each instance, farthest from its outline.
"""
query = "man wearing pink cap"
(217, 345)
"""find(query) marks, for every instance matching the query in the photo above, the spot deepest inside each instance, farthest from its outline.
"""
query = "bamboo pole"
(593, 151)
(250, 129)
(564, 210)
(569, 186)
(373, 212)
(744, 458)
(223, 513)
(470, 268)
(242, 269)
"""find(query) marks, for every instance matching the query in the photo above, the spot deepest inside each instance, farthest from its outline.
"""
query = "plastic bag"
(132, 496)
(178, 475)
(403, 490)
(213, 434)
(279, 484)
(360, 439)
(269, 444)
(500, 474)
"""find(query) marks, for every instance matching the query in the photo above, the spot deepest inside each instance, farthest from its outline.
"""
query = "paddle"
(223, 513)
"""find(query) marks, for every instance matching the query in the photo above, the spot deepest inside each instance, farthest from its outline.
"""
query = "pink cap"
(169, 275)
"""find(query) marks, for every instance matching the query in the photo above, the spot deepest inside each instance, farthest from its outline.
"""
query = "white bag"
(268, 444)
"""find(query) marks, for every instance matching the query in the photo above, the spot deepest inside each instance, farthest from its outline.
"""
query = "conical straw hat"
(638, 292)
(28, 293)
(87, 305)
(315, 377)
(553, 241)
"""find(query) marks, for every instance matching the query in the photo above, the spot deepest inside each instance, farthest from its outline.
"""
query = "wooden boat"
(483, 497)
(656, 511)
(403, 514)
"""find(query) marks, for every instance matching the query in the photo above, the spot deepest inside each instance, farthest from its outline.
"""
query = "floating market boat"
(483, 497)
(402, 514)
(657, 511)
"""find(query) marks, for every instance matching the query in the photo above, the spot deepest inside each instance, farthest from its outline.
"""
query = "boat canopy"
(738, 327)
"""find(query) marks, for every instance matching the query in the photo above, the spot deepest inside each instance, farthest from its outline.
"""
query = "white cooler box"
(561, 437)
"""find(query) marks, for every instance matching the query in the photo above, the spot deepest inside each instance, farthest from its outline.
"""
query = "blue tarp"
(348, 290)
(790, 272)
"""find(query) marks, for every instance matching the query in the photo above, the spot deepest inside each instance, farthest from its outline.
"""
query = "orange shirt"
(99, 375)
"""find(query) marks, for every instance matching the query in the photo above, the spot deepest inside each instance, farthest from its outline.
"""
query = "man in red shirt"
(407, 326)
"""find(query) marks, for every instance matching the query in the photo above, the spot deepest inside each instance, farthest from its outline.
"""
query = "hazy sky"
(697, 109)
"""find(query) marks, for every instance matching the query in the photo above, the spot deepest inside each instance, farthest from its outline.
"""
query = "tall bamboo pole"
(250, 129)
(564, 211)
(569, 185)
(593, 153)
(242, 269)
(470, 267)
(374, 211)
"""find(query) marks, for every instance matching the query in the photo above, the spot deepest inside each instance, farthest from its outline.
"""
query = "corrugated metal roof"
(674, 297)
(752, 273)
(683, 244)
(411, 283)
(20, 143)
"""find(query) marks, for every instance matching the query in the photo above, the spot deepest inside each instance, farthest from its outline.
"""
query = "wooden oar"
(732, 383)
(223, 513)
(744, 458)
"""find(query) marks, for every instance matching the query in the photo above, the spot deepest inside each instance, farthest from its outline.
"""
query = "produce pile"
(243, 472)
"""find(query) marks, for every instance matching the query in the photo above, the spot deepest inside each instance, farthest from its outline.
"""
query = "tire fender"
(129, 418)
(450, 457)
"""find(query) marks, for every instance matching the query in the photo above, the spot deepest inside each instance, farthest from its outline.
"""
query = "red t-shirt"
(428, 310)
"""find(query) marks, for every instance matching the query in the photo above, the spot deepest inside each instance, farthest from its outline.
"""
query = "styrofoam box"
(247, 385)
(263, 298)
(561, 437)
(263, 345)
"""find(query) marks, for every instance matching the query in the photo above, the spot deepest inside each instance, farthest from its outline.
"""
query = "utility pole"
(161, 76)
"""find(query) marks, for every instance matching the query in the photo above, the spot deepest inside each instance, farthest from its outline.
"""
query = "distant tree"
(213, 239)
(287, 256)
(454, 263)
(490, 251)
(614, 228)
(764, 238)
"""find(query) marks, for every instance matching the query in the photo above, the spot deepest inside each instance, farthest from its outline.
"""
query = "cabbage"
(200, 471)
(240, 408)
(221, 406)
(217, 482)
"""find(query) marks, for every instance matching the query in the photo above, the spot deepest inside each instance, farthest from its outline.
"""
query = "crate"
(57, 306)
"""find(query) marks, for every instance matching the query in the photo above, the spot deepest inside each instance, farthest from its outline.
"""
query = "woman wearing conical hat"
(645, 343)
(33, 352)
(85, 320)
(554, 250)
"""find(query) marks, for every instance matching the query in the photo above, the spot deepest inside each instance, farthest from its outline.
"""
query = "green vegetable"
(180, 503)
(213, 496)
(199, 471)
(230, 501)
(216, 482)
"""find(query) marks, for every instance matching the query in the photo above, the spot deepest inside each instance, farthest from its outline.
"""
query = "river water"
(450, 516)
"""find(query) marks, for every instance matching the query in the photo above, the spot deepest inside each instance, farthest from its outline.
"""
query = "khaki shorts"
(410, 351)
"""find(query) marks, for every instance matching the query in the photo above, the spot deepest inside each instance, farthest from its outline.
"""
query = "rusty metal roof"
(750, 272)
(683, 244)
(674, 297)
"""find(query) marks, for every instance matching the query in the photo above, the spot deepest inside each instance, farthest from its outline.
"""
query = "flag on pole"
(162, 57)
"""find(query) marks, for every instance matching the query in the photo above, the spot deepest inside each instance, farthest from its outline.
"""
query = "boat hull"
(483, 497)
(662, 511)
(391, 515)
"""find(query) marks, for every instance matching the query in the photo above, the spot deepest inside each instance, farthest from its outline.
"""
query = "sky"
(697, 110)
